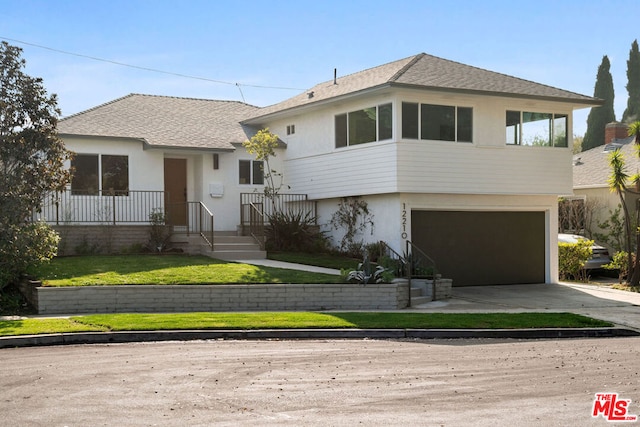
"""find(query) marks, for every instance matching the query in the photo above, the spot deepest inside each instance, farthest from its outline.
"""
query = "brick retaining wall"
(107, 239)
(191, 298)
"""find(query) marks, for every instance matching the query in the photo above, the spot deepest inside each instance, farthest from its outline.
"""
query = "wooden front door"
(175, 191)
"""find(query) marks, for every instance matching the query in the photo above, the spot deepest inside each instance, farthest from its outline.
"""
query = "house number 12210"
(404, 221)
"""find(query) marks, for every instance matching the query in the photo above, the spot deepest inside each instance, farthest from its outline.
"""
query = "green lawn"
(164, 270)
(299, 320)
(320, 260)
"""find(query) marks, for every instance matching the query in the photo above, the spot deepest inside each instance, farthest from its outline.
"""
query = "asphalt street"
(475, 382)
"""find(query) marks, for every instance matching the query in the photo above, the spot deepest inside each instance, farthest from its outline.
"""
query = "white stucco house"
(465, 163)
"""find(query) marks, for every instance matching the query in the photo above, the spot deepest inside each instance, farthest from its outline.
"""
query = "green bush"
(294, 232)
(571, 259)
(24, 247)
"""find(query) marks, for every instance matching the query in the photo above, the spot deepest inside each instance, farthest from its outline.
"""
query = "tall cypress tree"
(632, 113)
(600, 116)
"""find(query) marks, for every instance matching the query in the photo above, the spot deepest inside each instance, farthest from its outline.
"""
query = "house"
(465, 163)
(591, 172)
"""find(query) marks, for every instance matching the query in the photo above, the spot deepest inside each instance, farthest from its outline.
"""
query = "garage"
(483, 248)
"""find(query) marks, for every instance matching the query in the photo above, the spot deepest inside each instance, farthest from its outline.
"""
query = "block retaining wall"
(192, 298)
(101, 238)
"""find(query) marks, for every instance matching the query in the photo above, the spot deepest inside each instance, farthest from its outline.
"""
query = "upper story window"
(92, 172)
(437, 122)
(362, 126)
(536, 129)
(251, 172)
(291, 129)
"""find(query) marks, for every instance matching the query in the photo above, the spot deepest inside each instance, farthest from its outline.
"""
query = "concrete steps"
(227, 245)
(418, 298)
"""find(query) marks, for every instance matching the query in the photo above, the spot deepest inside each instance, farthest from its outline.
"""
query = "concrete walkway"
(601, 302)
(288, 265)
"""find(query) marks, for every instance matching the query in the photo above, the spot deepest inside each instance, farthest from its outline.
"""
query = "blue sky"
(298, 43)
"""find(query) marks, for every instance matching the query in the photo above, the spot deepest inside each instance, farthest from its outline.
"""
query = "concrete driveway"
(602, 302)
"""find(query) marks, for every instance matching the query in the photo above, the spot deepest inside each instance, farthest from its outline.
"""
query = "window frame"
(345, 125)
(252, 167)
(415, 124)
(554, 122)
(96, 188)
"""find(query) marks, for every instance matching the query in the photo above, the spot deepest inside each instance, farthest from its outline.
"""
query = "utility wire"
(149, 69)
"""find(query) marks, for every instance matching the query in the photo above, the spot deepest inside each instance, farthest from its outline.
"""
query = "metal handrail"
(413, 260)
(256, 224)
(200, 221)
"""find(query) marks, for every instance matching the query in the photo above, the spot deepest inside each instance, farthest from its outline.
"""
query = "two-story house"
(465, 163)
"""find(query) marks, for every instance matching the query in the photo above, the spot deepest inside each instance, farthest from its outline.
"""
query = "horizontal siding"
(366, 169)
(432, 167)
(435, 167)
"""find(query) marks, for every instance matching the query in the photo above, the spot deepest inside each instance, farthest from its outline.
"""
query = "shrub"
(24, 247)
(294, 232)
(571, 259)
(620, 262)
(159, 232)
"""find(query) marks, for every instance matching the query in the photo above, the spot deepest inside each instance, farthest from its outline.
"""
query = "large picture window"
(94, 172)
(536, 129)
(251, 172)
(437, 122)
(363, 126)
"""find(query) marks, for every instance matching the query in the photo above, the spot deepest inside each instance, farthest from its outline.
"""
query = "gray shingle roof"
(428, 72)
(591, 168)
(164, 121)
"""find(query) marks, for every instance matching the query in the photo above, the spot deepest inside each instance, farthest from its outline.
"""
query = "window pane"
(409, 120)
(362, 126)
(115, 174)
(385, 121)
(85, 175)
(560, 131)
(536, 129)
(513, 127)
(341, 130)
(465, 124)
(245, 172)
(258, 173)
(438, 122)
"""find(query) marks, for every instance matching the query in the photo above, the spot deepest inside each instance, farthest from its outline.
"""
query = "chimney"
(615, 130)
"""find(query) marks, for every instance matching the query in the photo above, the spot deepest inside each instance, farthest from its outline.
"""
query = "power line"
(148, 69)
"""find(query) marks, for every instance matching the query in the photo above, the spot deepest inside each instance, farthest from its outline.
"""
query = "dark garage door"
(483, 248)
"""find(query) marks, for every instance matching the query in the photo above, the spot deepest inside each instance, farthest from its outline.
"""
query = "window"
(536, 129)
(363, 126)
(251, 172)
(291, 129)
(85, 175)
(437, 122)
(115, 174)
(93, 172)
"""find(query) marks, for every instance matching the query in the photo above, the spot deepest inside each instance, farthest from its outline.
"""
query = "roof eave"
(585, 102)
(300, 108)
(148, 146)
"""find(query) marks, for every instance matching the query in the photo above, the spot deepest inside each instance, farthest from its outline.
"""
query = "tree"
(599, 117)
(633, 85)
(618, 185)
(263, 145)
(31, 165)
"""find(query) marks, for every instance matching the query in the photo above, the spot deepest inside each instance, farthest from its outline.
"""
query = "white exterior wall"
(486, 166)
(145, 166)
(392, 217)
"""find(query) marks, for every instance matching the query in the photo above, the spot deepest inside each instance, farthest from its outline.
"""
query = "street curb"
(293, 334)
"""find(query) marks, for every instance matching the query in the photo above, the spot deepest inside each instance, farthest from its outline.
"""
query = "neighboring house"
(591, 172)
(464, 162)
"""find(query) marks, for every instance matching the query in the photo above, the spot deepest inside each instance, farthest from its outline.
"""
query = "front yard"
(164, 270)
